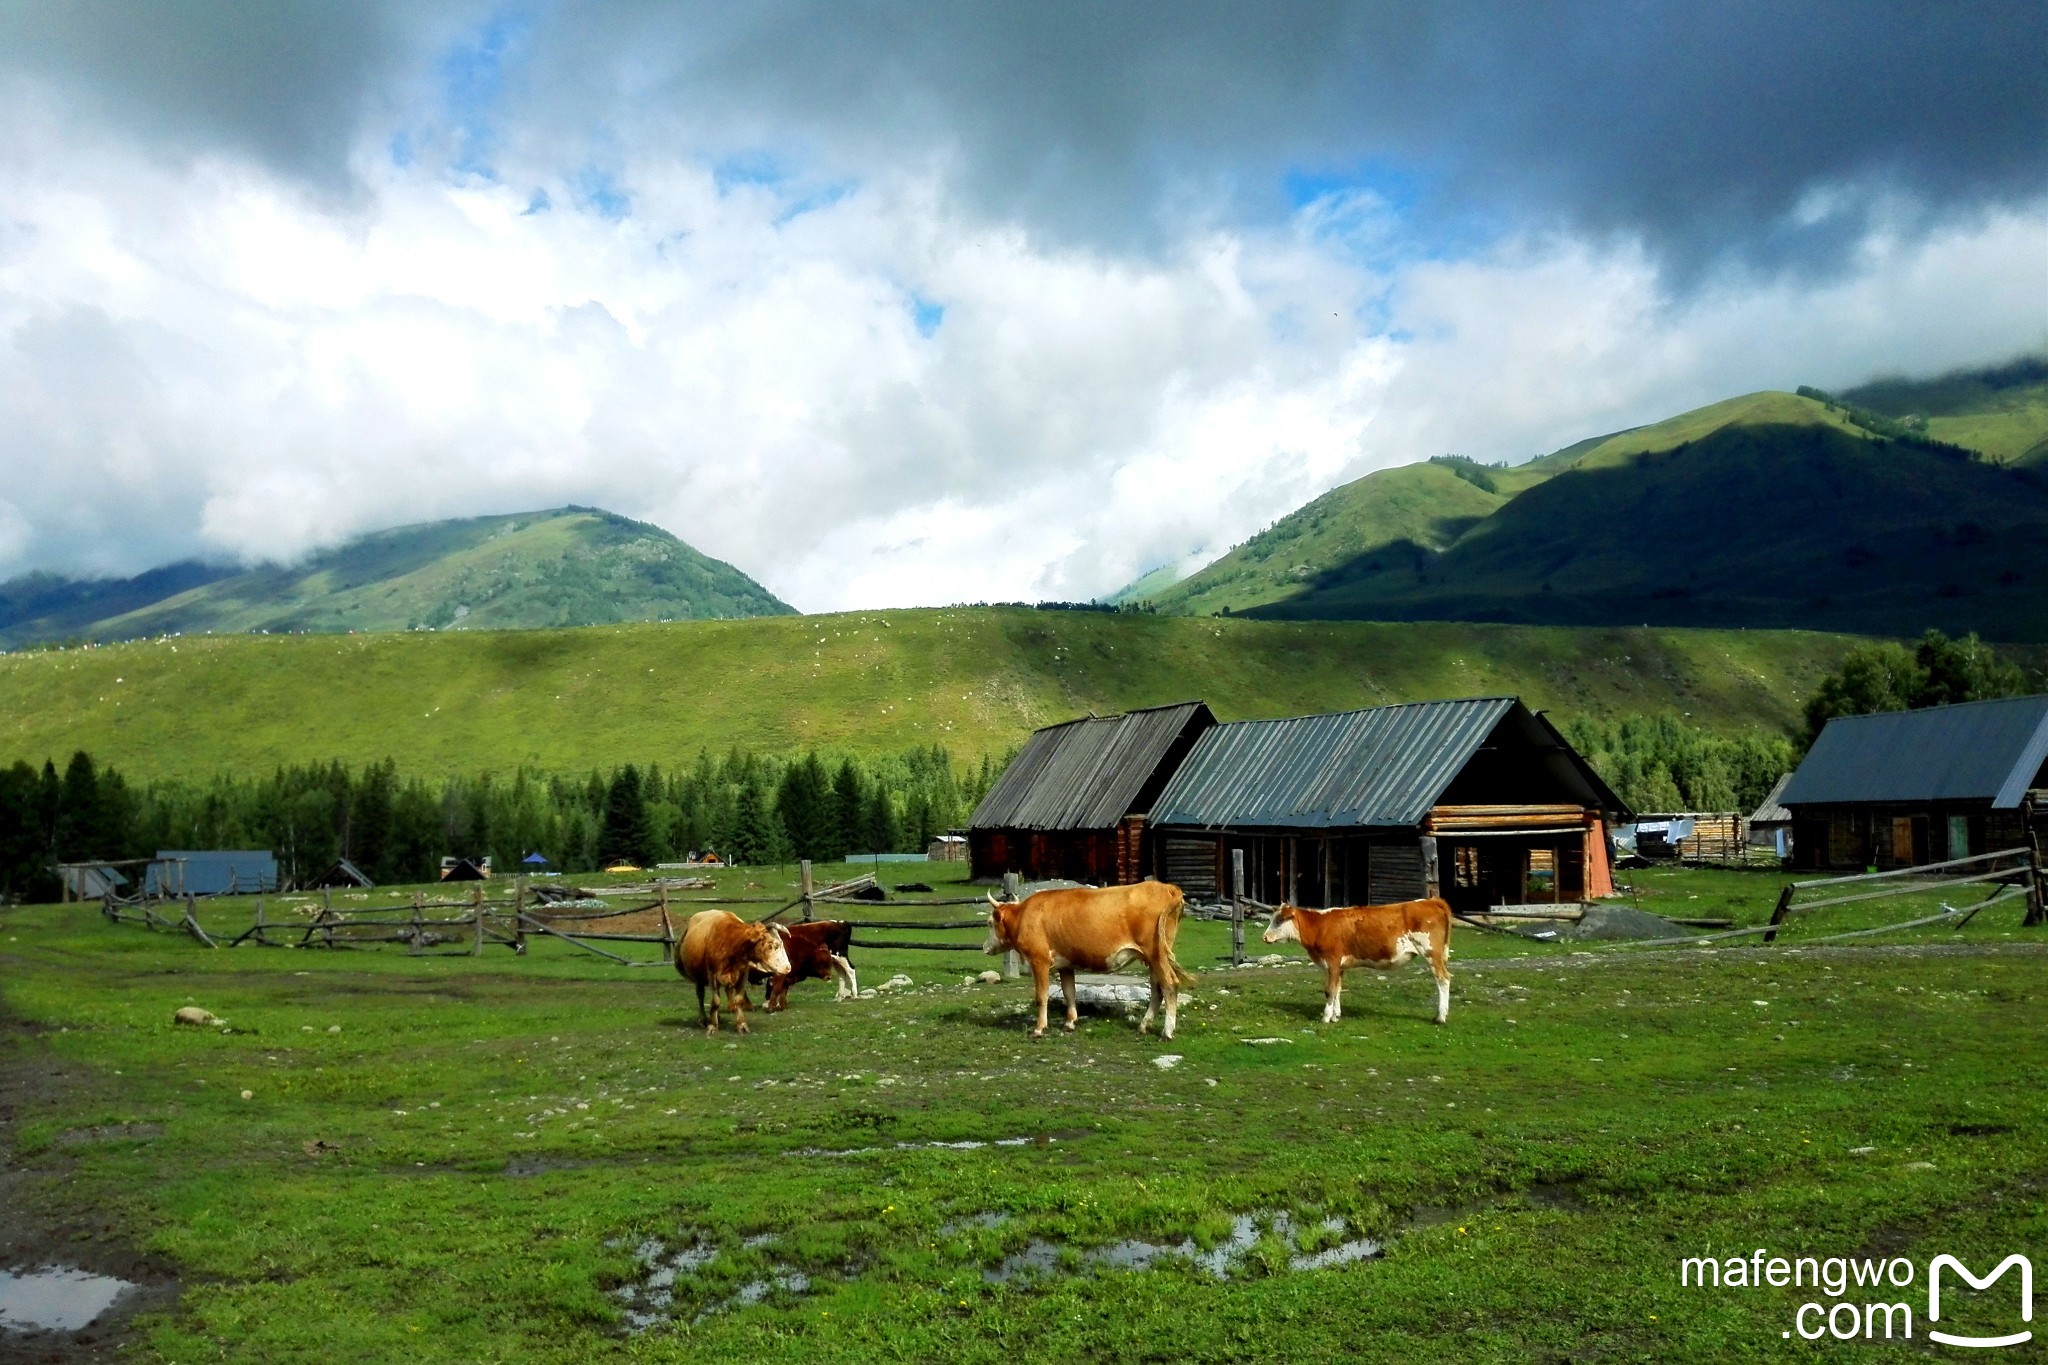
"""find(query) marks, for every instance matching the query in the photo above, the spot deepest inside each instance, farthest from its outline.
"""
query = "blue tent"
(534, 860)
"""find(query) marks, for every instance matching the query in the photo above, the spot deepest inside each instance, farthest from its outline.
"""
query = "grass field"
(975, 679)
(441, 1158)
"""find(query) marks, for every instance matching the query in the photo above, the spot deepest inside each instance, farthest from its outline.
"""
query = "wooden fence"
(474, 922)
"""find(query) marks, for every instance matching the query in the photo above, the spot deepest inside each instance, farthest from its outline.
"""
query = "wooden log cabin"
(1073, 803)
(1480, 801)
(1907, 788)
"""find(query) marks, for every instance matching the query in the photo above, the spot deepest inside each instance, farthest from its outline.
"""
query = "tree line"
(749, 808)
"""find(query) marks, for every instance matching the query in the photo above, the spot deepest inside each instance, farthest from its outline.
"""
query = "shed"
(1905, 788)
(343, 873)
(90, 881)
(212, 872)
(1770, 824)
(1074, 801)
(1478, 800)
(465, 869)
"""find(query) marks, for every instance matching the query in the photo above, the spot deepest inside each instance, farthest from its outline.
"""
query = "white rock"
(248, 1094)
(1272, 959)
(990, 978)
(192, 1014)
(334, 1028)
(1264, 1042)
(1167, 1061)
(1861, 1151)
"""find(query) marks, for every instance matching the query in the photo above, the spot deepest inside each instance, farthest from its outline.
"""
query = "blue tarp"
(212, 872)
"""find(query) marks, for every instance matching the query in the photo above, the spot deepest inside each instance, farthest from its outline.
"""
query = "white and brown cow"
(1382, 936)
(1099, 930)
(717, 950)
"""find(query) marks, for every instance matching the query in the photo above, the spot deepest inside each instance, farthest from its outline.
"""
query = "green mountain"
(572, 566)
(1887, 509)
(2002, 411)
(976, 680)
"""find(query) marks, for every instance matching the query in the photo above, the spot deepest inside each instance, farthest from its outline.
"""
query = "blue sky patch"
(926, 314)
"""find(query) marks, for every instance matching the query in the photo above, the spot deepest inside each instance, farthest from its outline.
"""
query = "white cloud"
(214, 361)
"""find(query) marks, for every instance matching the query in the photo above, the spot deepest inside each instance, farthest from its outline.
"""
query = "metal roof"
(1772, 811)
(1971, 751)
(1382, 767)
(1088, 773)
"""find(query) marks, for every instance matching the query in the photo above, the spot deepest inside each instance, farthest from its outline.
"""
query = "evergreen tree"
(627, 835)
(803, 801)
(754, 836)
(79, 829)
(880, 830)
(846, 805)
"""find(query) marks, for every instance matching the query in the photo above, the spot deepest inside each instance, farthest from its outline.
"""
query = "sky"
(913, 303)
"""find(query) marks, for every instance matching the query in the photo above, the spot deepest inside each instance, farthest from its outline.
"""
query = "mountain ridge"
(567, 566)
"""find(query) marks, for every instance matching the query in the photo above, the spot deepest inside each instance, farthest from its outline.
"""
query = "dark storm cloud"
(1702, 127)
(286, 81)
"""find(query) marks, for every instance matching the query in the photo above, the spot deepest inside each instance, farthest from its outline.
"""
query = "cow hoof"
(1038, 1033)
(1072, 1024)
(711, 1031)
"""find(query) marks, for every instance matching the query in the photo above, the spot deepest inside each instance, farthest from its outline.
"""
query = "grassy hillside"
(1429, 506)
(2002, 411)
(1764, 526)
(567, 567)
(976, 680)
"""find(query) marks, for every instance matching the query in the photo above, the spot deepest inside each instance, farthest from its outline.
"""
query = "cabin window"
(1465, 865)
(1542, 874)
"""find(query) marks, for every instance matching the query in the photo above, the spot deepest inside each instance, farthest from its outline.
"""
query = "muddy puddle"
(55, 1298)
(965, 1145)
(1229, 1257)
(672, 1284)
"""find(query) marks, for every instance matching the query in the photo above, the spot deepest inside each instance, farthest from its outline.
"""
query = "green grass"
(1536, 1169)
(976, 680)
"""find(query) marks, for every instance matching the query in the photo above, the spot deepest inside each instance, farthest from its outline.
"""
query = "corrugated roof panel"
(1086, 774)
(1972, 751)
(1772, 811)
(1381, 767)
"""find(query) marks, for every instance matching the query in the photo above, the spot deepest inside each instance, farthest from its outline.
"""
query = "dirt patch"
(43, 1234)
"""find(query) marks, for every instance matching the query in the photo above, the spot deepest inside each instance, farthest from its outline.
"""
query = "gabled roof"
(1772, 811)
(1384, 767)
(1971, 751)
(1089, 773)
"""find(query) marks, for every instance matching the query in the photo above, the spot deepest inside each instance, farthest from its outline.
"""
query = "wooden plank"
(1910, 871)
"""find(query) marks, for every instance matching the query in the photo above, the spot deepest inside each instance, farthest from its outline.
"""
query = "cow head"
(1284, 926)
(1002, 924)
(766, 953)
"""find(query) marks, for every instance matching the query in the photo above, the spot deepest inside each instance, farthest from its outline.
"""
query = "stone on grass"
(192, 1014)
(990, 978)
(1167, 1061)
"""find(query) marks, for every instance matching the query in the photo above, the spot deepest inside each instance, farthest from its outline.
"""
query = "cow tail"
(1163, 933)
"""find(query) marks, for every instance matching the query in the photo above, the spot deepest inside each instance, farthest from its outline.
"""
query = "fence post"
(260, 940)
(418, 927)
(1013, 887)
(478, 949)
(668, 931)
(519, 916)
(804, 871)
(1237, 907)
(1784, 909)
(2037, 890)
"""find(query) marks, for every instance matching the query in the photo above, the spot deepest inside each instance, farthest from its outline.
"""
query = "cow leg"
(1439, 964)
(738, 1002)
(1073, 1002)
(842, 972)
(1152, 1003)
(1166, 991)
(1041, 985)
(707, 1012)
(1333, 991)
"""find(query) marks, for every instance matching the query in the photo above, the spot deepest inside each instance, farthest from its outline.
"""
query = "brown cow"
(1382, 936)
(817, 950)
(1099, 930)
(717, 950)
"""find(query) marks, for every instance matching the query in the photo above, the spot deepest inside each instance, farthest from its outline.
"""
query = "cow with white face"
(1380, 936)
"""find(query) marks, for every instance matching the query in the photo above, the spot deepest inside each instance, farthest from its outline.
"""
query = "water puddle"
(671, 1284)
(966, 1145)
(55, 1299)
(1232, 1256)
